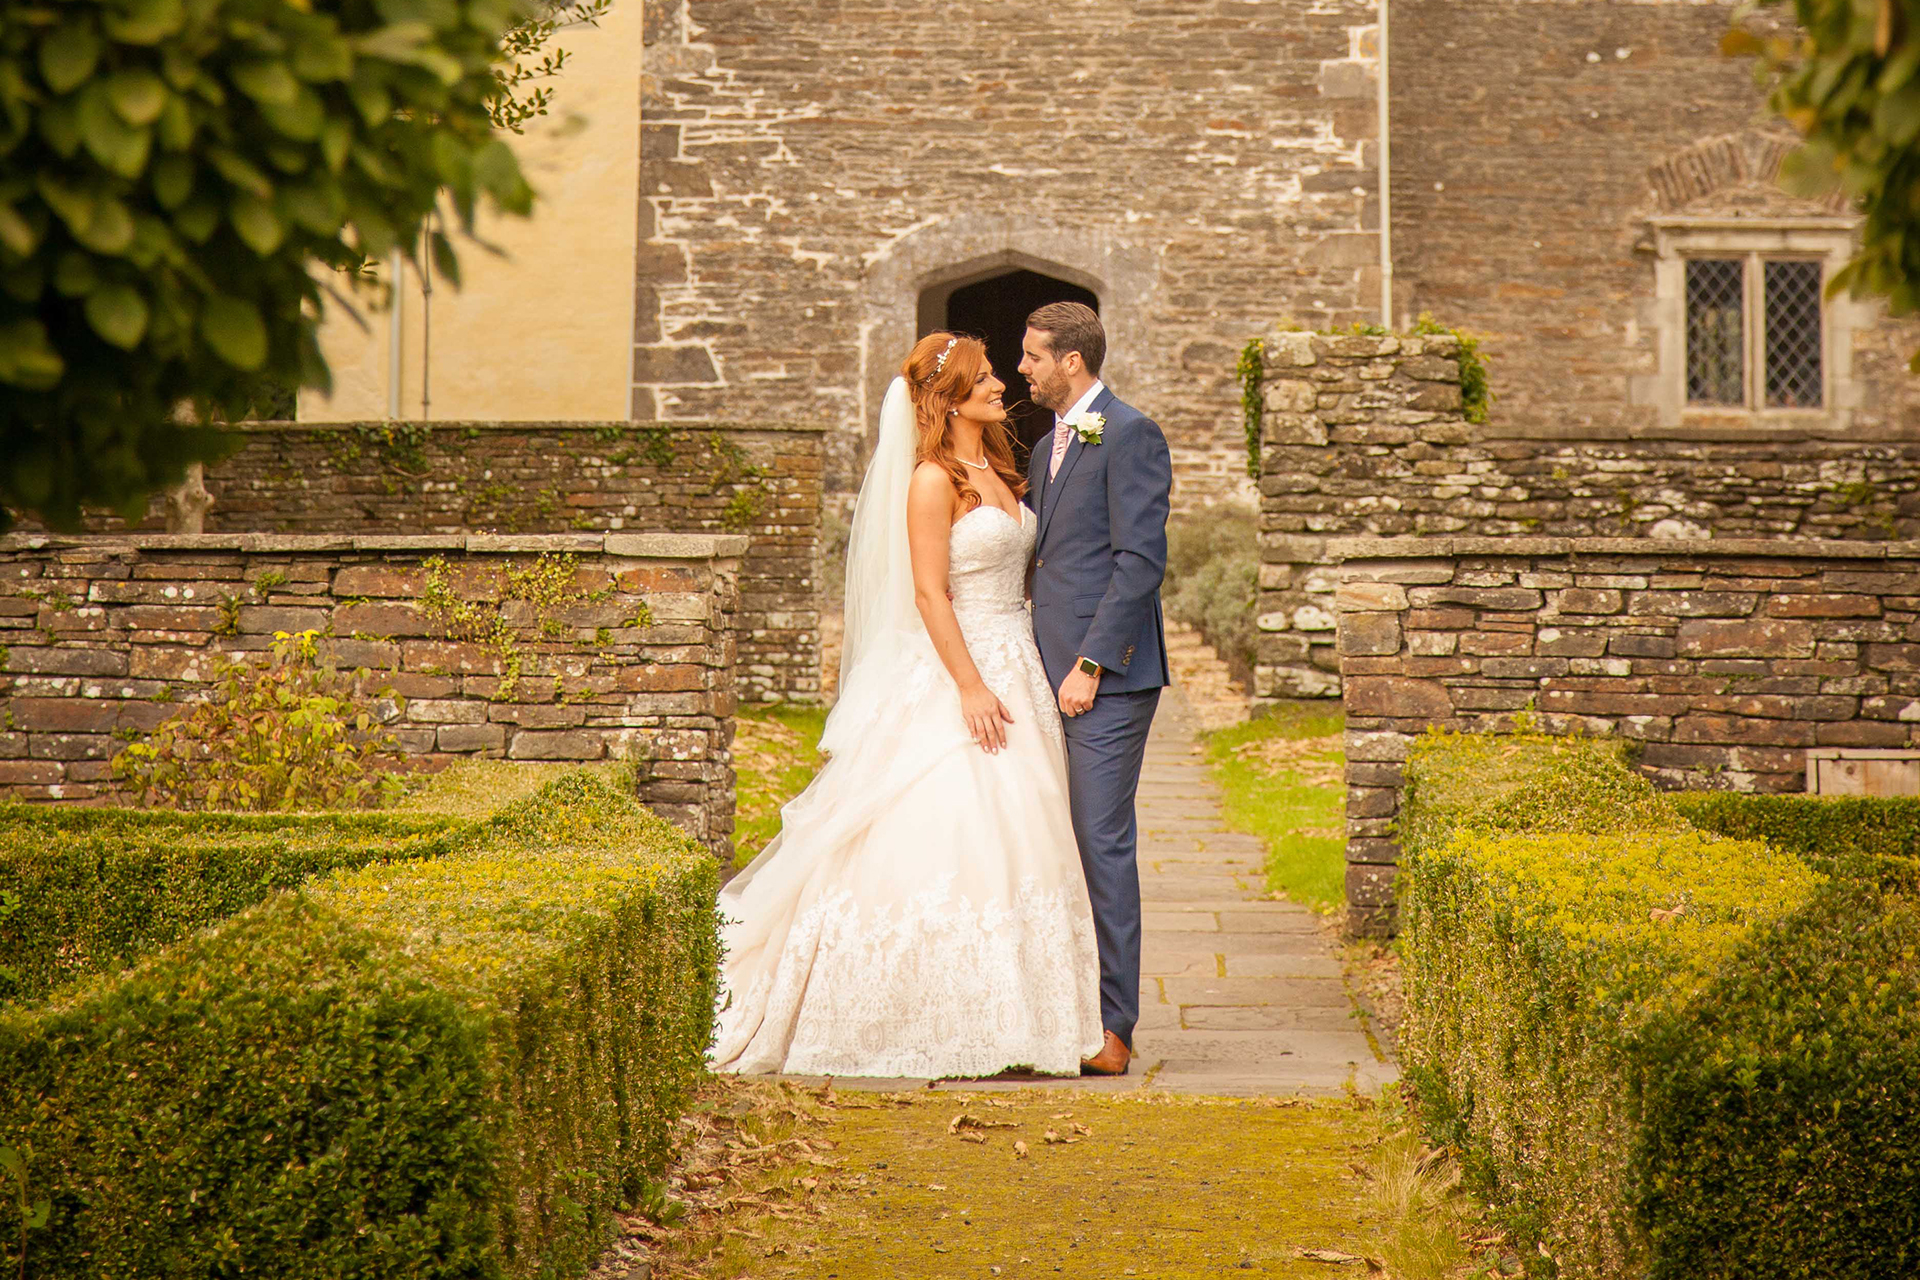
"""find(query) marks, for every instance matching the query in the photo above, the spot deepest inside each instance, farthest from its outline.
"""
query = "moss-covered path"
(1138, 1185)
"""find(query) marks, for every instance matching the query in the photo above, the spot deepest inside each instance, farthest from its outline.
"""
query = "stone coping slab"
(559, 424)
(1413, 548)
(652, 546)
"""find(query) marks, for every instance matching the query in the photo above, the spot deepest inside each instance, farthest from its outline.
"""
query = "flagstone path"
(1240, 995)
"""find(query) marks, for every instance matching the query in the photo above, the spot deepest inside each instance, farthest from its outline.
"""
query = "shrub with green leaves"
(1213, 577)
(457, 1066)
(179, 179)
(1664, 1051)
(287, 733)
(1821, 829)
(79, 899)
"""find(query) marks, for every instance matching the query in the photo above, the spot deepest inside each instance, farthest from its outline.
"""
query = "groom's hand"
(1077, 691)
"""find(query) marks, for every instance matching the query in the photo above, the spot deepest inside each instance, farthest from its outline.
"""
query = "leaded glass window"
(1755, 333)
(1716, 331)
(1793, 334)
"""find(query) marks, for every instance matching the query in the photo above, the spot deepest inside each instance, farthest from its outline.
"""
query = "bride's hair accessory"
(943, 370)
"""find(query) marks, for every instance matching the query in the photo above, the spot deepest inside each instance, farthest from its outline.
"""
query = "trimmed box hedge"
(452, 1066)
(1663, 1051)
(91, 897)
(1826, 831)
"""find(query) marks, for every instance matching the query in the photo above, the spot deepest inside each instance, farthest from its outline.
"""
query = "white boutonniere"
(1088, 426)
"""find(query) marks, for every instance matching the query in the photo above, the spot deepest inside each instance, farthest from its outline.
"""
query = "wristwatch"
(1089, 666)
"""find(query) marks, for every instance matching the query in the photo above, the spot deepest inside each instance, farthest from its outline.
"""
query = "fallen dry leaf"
(965, 1121)
(1327, 1255)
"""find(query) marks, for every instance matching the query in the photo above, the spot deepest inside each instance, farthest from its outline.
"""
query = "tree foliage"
(178, 181)
(1848, 79)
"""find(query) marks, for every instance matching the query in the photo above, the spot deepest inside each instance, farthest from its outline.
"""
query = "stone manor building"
(1586, 184)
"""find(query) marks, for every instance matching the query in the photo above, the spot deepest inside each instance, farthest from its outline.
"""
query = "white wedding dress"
(923, 912)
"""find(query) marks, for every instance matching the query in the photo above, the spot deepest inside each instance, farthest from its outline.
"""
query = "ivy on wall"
(1476, 397)
(473, 609)
(1252, 372)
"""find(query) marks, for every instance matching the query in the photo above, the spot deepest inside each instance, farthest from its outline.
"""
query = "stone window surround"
(1672, 239)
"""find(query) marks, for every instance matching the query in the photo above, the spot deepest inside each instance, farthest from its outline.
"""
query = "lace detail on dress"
(939, 986)
(987, 571)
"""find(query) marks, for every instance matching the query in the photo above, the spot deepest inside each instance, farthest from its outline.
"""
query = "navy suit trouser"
(1105, 747)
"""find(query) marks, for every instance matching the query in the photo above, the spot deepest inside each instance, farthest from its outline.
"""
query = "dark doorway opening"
(996, 309)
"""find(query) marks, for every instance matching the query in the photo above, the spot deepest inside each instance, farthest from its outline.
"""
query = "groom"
(1101, 488)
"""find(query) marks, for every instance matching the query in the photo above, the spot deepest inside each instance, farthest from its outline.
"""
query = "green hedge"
(1819, 829)
(1664, 1051)
(446, 1067)
(91, 897)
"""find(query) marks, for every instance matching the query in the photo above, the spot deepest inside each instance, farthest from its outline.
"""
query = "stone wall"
(516, 478)
(1723, 662)
(105, 635)
(1532, 145)
(1365, 436)
(810, 167)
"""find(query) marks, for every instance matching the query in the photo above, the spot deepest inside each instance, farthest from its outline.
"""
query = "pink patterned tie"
(1061, 434)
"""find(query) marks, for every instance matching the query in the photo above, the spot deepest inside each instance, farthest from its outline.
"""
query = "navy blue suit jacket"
(1102, 550)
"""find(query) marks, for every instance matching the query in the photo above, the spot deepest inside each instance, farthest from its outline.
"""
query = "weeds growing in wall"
(475, 610)
(1476, 398)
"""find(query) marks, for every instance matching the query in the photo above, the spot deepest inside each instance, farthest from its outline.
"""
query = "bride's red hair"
(937, 387)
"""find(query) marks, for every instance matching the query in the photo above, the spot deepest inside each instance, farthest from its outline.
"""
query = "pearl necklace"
(977, 466)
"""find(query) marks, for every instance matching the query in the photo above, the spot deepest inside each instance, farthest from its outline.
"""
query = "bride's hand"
(986, 717)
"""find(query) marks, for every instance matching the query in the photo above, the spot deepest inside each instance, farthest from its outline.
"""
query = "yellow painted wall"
(544, 332)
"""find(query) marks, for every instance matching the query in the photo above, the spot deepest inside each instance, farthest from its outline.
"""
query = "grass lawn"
(776, 752)
(1283, 780)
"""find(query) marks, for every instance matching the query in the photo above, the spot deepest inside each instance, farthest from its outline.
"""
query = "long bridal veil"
(882, 625)
(874, 744)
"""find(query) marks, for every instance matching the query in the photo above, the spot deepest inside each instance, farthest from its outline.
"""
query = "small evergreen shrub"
(288, 733)
(1213, 579)
(92, 890)
(1664, 1051)
(444, 1067)
(1823, 830)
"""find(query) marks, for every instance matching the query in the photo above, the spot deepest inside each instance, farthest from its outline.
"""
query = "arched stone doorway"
(996, 309)
(911, 280)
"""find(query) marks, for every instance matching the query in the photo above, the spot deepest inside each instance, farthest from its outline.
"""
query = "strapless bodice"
(987, 561)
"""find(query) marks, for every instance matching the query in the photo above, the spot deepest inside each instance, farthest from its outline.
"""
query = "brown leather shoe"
(1112, 1059)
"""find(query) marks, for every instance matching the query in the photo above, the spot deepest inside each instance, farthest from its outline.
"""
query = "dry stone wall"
(632, 655)
(1365, 435)
(526, 478)
(1722, 662)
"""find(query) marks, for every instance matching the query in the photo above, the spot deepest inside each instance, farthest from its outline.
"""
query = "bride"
(922, 912)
